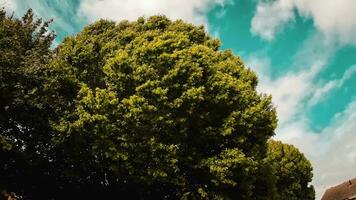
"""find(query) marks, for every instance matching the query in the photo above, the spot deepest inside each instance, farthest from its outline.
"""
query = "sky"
(303, 51)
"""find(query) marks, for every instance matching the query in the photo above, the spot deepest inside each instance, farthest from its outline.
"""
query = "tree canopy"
(293, 171)
(24, 128)
(152, 109)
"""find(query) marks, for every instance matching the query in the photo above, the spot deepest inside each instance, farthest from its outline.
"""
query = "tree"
(153, 106)
(24, 139)
(150, 109)
(293, 171)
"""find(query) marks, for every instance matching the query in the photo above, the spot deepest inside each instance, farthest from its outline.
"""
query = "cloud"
(193, 11)
(270, 17)
(64, 13)
(71, 16)
(289, 90)
(9, 5)
(331, 150)
(292, 89)
(335, 19)
(260, 64)
(321, 92)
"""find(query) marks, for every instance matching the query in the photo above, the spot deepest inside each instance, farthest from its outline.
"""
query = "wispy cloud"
(71, 16)
(322, 91)
(291, 90)
(294, 93)
(332, 151)
(64, 13)
(193, 11)
(270, 18)
(335, 19)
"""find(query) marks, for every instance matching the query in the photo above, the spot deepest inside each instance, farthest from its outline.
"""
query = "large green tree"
(155, 105)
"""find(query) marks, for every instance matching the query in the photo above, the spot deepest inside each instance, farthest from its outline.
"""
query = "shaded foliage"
(24, 128)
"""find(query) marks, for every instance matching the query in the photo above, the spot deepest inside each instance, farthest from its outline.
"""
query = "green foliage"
(5, 144)
(155, 102)
(293, 171)
(151, 109)
(24, 50)
(24, 129)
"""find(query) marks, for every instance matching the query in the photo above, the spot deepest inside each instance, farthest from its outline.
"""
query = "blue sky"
(304, 52)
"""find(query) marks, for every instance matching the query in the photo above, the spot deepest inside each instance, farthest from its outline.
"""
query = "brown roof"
(344, 191)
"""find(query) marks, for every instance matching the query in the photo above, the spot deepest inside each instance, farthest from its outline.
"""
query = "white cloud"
(260, 64)
(270, 17)
(322, 91)
(332, 150)
(9, 5)
(193, 11)
(290, 90)
(335, 19)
